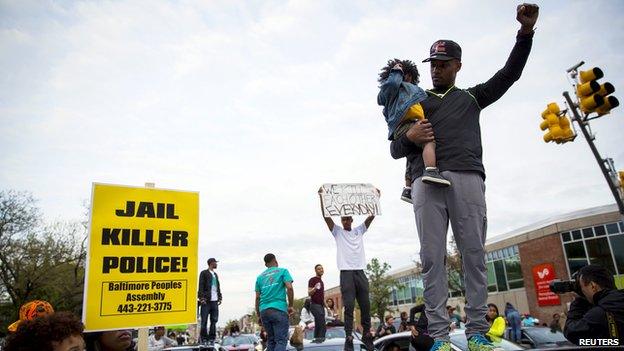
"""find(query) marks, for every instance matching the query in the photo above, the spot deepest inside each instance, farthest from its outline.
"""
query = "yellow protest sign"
(142, 258)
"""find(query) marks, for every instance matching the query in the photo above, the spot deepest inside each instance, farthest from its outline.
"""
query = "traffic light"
(621, 173)
(566, 131)
(558, 125)
(593, 96)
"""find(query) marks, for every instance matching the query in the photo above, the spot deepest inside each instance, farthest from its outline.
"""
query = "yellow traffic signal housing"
(621, 173)
(567, 134)
(592, 95)
(558, 126)
(610, 103)
(591, 74)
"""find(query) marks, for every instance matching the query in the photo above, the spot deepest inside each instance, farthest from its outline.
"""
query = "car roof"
(194, 347)
(327, 342)
(393, 336)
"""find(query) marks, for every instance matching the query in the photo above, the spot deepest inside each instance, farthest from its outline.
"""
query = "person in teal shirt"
(274, 302)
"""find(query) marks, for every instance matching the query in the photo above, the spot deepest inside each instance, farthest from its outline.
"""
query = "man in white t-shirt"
(353, 282)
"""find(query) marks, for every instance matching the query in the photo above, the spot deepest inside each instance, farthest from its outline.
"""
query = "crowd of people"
(41, 328)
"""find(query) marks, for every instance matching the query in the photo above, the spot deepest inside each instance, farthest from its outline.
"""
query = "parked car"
(215, 347)
(331, 333)
(239, 343)
(542, 338)
(335, 344)
(457, 336)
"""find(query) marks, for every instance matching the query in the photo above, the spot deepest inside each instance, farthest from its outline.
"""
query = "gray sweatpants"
(463, 204)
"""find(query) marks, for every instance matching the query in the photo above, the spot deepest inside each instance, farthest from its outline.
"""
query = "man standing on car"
(316, 290)
(273, 289)
(209, 295)
(353, 282)
(454, 115)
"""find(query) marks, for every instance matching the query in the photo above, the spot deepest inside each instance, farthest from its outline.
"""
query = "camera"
(566, 286)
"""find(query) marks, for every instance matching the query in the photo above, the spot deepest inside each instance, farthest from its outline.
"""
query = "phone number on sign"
(144, 307)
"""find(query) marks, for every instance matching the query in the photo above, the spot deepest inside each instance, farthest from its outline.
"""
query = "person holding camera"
(386, 328)
(598, 310)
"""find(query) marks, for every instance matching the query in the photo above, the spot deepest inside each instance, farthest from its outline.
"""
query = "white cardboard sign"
(350, 199)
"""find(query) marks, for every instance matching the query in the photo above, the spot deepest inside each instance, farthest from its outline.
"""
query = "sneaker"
(478, 342)
(348, 346)
(440, 345)
(406, 195)
(433, 176)
(367, 339)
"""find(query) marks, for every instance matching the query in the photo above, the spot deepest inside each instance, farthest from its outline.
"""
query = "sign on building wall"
(543, 274)
(142, 258)
(350, 199)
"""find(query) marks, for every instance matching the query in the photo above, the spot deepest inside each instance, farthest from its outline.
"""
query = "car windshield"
(545, 336)
(459, 340)
(238, 340)
(329, 334)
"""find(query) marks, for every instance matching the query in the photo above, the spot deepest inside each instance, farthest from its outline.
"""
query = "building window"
(514, 273)
(411, 288)
(599, 253)
(617, 244)
(576, 255)
(503, 269)
(576, 235)
(491, 277)
(499, 269)
(612, 228)
(566, 237)
(593, 246)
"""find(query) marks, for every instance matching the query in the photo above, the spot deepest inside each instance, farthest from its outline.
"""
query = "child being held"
(401, 97)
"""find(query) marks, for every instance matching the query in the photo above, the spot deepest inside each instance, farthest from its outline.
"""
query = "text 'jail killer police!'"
(145, 237)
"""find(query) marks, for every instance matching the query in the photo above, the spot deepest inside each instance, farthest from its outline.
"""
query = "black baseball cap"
(444, 50)
(212, 260)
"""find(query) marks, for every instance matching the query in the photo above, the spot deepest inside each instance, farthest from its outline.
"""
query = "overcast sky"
(255, 104)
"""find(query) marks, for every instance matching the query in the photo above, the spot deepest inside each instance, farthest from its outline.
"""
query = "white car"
(457, 336)
(215, 347)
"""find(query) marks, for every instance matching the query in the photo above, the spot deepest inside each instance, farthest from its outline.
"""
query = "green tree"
(294, 318)
(253, 316)
(38, 261)
(455, 270)
(380, 286)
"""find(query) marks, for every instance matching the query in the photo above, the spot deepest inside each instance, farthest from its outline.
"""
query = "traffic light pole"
(590, 140)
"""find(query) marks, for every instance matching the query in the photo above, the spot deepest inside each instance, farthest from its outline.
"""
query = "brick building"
(556, 247)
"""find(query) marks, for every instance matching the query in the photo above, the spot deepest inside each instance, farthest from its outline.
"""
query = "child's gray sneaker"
(406, 195)
(433, 176)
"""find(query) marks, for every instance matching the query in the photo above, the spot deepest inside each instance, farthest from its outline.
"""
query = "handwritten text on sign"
(350, 199)
(142, 261)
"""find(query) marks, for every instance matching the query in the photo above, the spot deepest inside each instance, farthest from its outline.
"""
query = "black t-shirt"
(319, 295)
